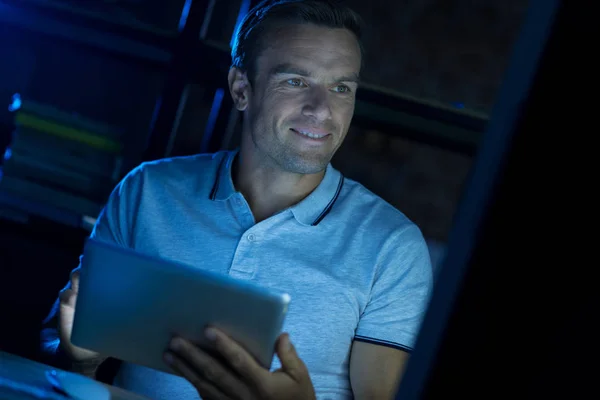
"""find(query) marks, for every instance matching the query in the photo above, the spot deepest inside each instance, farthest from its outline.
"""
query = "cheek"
(345, 112)
(282, 97)
(281, 106)
(271, 113)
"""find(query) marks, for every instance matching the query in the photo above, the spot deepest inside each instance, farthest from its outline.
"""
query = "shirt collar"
(309, 211)
(223, 187)
(319, 203)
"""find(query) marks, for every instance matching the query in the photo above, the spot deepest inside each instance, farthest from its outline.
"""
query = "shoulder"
(381, 227)
(177, 167)
(373, 212)
(402, 255)
(174, 170)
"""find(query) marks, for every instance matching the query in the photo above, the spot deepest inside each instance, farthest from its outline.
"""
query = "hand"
(66, 313)
(239, 376)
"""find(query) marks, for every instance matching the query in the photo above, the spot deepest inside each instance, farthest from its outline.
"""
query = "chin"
(302, 165)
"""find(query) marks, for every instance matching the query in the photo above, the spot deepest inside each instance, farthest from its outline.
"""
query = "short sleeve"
(400, 292)
(116, 221)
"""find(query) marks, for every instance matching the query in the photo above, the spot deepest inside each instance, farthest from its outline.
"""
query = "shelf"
(102, 20)
(24, 208)
(369, 116)
(423, 108)
(130, 41)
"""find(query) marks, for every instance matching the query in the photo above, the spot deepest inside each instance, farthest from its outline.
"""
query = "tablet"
(130, 305)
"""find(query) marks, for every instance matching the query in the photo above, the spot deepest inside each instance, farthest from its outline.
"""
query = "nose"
(317, 105)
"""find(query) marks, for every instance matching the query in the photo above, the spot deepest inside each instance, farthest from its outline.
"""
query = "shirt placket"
(242, 266)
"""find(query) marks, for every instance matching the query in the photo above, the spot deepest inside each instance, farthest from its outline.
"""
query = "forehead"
(320, 50)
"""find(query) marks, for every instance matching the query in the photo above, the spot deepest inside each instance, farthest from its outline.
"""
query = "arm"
(52, 351)
(391, 319)
(112, 226)
(375, 371)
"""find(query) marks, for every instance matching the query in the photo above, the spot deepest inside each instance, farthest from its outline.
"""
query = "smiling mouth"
(309, 134)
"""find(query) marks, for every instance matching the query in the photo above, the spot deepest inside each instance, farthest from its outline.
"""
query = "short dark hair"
(247, 44)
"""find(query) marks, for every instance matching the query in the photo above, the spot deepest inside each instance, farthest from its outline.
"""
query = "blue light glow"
(244, 8)
(184, 14)
(212, 119)
(15, 103)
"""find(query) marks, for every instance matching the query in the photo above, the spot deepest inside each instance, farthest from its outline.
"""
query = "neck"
(268, 189)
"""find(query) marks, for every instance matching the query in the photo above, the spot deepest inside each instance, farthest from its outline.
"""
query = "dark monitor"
(512, 315)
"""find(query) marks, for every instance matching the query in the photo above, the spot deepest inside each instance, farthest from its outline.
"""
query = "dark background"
(432, 71)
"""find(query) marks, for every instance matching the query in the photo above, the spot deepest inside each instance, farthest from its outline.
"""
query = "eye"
(296, 82)
(342, 89)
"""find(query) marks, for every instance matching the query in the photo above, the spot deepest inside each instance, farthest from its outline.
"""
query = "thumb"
(67, 298)
(75, 279)
(290, 362)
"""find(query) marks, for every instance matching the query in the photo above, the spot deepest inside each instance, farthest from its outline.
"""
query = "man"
(277, 213)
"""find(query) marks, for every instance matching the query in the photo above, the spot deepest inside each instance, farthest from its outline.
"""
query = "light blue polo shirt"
(356, 268)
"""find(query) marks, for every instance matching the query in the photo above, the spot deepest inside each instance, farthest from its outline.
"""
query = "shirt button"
(251, 237)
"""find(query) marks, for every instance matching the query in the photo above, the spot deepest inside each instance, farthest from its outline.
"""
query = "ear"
(239, 87)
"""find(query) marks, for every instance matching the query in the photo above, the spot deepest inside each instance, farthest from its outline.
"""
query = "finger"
(290, 361)
(237, 357)
(206, 389)
(67, 298)
(75, 279)
(209, 368)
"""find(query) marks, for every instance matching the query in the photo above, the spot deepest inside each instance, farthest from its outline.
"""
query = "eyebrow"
(289, 69)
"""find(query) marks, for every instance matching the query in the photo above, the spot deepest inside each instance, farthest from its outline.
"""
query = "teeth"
(311, 135)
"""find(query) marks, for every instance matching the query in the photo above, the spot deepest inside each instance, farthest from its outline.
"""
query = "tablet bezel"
(251, 314)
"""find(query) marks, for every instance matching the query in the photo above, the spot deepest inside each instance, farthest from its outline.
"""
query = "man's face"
(302, 100)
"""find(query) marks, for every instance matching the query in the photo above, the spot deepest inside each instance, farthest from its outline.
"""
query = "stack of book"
(61, 159)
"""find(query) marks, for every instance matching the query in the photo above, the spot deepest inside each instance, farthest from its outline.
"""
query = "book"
(45, 195)
(69, 180)
(69, 132)
(65, 153)
(52, 114)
